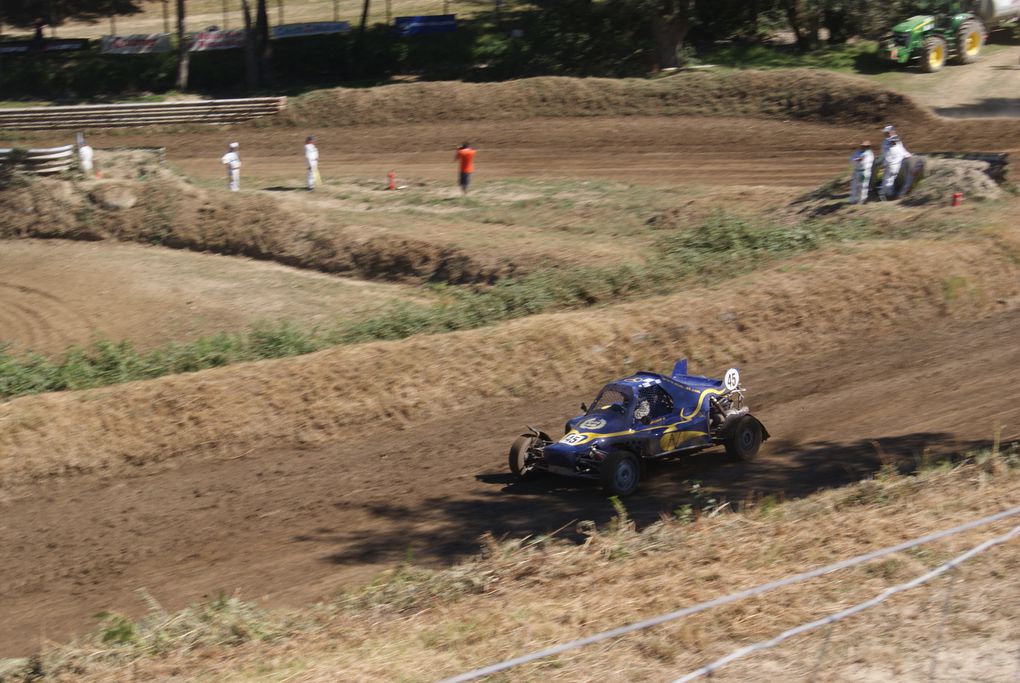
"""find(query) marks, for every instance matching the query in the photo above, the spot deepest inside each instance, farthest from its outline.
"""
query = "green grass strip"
(721, 246)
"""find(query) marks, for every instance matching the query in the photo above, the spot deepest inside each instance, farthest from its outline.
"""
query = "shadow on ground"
(440, 530)
(989, 107)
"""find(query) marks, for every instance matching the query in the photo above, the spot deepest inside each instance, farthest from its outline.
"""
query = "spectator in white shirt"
(232, 161)
(860, 180)
(85, 158)
(894, 157)
(312, 160)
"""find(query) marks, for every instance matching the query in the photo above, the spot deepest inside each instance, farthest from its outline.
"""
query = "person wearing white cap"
(312, 161)
(232, 161)
(892, 156)
(889, 132)
(860, 179)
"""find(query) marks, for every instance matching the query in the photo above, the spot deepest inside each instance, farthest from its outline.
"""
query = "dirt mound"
(390, 257)
(131, 163)
(940, 179)
(794, 94)
(114, 196)
(943, 177)
(136, 202)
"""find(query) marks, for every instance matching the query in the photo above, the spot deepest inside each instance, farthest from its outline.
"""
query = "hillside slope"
(308, 400)
(795, 94)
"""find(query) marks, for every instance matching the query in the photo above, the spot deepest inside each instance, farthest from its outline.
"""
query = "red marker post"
(392, 177)
(957, 199)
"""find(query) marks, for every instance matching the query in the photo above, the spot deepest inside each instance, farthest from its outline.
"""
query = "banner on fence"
(312, 28)
(426, 25)
(217, 40)
(21, 47)
(135, 44)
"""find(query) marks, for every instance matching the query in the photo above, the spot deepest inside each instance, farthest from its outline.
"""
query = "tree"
(364, 17)
(263, 47)
(725, 19)
(250, 59)
(22, 13)
(805, 20)
(361, 44)
(846, 18)
(671, 20)
(182, 49)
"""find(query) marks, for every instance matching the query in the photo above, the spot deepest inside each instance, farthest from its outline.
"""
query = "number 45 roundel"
(731, 380)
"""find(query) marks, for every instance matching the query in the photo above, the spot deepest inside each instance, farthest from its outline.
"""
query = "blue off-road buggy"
(642, 417)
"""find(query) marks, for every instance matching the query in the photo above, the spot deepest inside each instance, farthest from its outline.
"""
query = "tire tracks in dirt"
(39, 319)
(711, 151)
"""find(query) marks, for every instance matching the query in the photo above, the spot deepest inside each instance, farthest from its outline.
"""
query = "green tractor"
(955, 32)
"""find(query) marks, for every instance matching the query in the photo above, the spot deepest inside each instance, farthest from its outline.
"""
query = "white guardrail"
(41, 160)
(142, 114)
(763, 588)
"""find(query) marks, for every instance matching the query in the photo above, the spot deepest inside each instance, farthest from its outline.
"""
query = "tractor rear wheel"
(970, 40)
(933, 54)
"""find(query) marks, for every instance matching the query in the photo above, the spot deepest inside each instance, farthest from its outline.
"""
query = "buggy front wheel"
(520, 464)
(620, 474)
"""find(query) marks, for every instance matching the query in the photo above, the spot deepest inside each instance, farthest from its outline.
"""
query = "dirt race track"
(666, 150)
(292, 526)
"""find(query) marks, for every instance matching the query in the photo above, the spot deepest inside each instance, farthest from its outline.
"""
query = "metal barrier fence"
(40, 160)
(142, 114)
(708, 669)
(751, 592)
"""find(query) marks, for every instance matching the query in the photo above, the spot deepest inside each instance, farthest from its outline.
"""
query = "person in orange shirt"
(466, 157)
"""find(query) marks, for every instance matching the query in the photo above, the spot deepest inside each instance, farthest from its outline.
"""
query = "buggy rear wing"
(730, 381)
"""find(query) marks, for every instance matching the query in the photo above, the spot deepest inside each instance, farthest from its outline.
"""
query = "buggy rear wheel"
(620, 474)
(744, 438)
